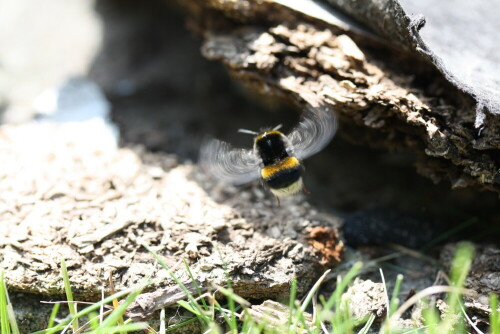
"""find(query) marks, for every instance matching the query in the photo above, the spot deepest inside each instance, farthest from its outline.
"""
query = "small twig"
(469, 320)
(149, 302)
(414, 253)
(70, 302)
(101, 308)
(112, 292)
(441, 274)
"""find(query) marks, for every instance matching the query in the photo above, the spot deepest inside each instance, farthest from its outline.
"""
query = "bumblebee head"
(271, 146)
(263, 133)
(268, 135)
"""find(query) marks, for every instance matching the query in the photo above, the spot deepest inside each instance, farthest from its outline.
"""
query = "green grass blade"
(181, 324)
(203, 318)
(342, 320)
(335, 297)
(93, 320)
(291, 304)
(197, 286)
(230, 297)
(4, 315)
(229, 293)
(233, 326)
(249, 325)
(117, 314)
(188, 307)
(299, 313)
(368, 324)
(69, 294)
(53, 315)
(461, 264)
(84, 312)
(431, 319)
(127, 328)
(452, 320)
(8, 306)
(495, 315)
(393, 304)
(460, 268)
(313, 290)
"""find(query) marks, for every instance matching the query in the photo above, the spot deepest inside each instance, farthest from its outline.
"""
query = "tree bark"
(384, 97)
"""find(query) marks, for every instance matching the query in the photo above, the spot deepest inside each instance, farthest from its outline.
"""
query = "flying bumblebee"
(275, 157)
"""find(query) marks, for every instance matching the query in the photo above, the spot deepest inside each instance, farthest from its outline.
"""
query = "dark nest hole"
(166, 96)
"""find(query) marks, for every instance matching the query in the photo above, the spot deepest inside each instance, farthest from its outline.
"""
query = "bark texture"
(384, 97)
(97, 206)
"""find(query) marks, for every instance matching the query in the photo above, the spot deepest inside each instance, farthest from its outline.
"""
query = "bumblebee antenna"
(277, 127)
(249, 132)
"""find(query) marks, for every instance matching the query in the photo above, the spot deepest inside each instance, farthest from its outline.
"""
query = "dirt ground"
(97, 205)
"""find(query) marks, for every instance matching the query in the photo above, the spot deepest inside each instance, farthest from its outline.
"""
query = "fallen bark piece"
(276, 315)
(294, 56)
(52, 207)
(147, 303)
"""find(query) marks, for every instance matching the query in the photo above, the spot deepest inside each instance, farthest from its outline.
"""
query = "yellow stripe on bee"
(288, 162)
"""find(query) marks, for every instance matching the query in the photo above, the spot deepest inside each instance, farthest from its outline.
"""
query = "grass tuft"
(8, 323)
(234, 316)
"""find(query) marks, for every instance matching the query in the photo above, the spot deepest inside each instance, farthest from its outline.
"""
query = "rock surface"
(365, 298)
(65, 196)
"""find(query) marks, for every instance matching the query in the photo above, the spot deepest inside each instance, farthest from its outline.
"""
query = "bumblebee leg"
(278, 199)
(305, 190)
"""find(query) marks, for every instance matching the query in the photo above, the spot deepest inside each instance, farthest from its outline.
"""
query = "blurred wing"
(314, 132)
(229, 164)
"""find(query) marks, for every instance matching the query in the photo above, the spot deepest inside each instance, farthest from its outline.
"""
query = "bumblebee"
(275, 157)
